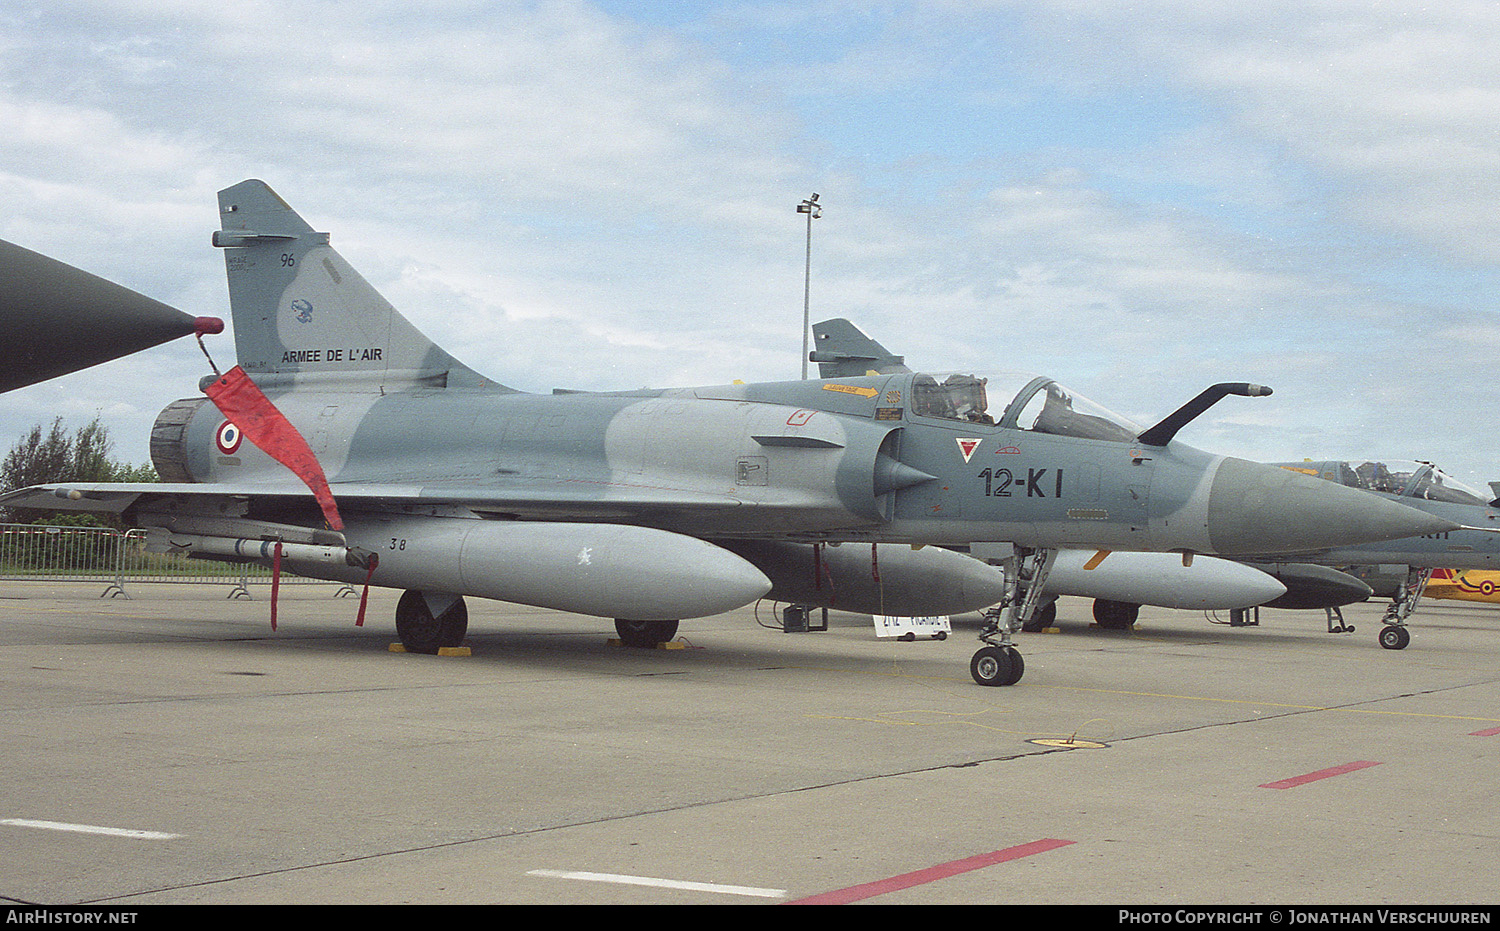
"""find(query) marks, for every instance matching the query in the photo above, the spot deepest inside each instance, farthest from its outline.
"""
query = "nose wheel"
(1394, 637)
(997, 666)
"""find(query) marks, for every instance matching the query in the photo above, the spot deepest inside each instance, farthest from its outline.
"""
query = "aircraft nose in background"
(1256, 508)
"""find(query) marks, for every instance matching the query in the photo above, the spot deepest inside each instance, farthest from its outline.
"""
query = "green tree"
(146, 472)
(37, 458)
(45, 456)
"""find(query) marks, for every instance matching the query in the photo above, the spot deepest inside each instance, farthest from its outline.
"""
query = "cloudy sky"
(1139, 199)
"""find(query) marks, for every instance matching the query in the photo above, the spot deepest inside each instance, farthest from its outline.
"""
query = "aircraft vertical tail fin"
(843, 351)
(302, 315)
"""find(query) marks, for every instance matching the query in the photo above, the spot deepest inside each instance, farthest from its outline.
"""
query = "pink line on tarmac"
(931, 874)
(1487, 732)
(1320, 774)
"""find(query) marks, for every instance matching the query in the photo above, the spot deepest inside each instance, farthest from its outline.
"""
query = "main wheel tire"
(420, 632)
(645, 634)
(1115, 615)
(1042, 618)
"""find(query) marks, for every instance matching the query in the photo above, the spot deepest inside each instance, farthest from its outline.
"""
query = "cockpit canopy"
(1407, 479)
(1016, 400)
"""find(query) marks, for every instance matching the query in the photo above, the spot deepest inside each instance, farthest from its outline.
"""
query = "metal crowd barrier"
(33, 553)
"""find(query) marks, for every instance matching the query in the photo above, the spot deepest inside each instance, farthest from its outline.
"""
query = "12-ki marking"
(999, 482)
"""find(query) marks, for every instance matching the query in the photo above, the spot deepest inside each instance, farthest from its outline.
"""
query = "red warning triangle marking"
(967, 447)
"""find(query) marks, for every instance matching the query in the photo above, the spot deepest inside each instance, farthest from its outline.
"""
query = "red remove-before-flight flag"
(247, 407)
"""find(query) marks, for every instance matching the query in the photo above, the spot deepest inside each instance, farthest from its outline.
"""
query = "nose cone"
(1256, 508)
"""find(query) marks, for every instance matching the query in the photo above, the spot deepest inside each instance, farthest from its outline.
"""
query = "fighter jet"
(1475, 544)
(356, 450)
(59, 319)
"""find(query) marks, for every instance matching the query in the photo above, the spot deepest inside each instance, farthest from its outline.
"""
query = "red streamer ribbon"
(365, 595)
(247, 407)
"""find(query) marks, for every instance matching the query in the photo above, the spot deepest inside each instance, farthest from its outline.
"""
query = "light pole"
(813, 211)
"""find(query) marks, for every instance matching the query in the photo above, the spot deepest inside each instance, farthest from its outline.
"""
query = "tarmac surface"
(171, 748)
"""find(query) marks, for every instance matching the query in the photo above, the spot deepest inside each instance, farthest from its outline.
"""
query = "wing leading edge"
(552, 500)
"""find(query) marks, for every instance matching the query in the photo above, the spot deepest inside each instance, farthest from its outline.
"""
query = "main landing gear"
(999, 662)
(645, 634)
(1042, 618)
(429, 621)
(1115, 615)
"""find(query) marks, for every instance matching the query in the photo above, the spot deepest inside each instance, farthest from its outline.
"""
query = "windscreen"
(1017, 400)
(1051, 408)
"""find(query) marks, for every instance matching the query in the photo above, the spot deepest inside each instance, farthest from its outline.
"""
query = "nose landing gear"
(998, 662)
(1394, 635)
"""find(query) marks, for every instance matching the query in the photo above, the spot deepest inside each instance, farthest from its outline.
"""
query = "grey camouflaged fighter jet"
(653, 506)
(1473, 544)
(1118, 583)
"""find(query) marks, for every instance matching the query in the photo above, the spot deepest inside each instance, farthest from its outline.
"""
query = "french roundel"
(228, 438)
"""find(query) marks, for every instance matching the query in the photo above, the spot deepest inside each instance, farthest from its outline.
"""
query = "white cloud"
(564, 196)
(1397, 106)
